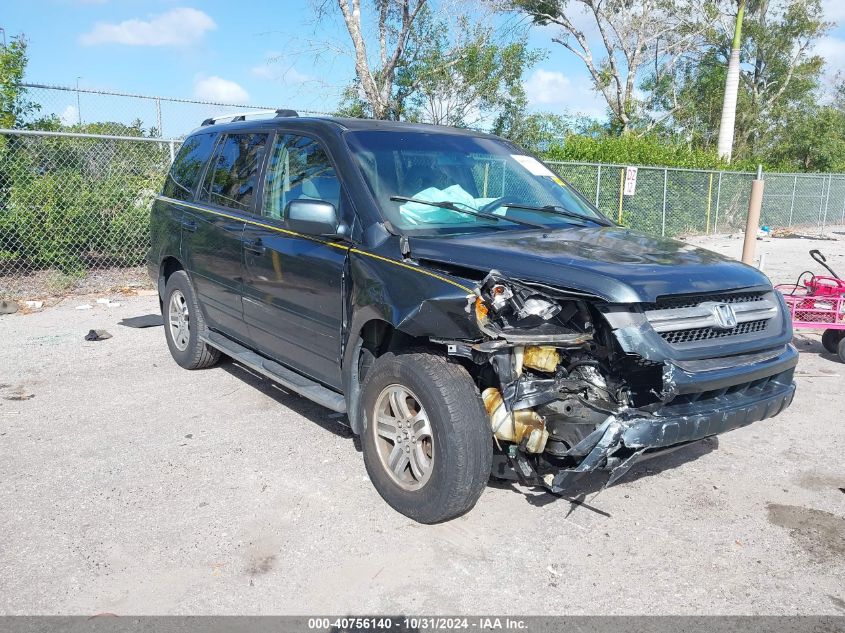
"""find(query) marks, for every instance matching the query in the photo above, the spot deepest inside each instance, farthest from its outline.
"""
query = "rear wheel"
(831, 339)
(841, 350)
(426, 440)
(184, 323)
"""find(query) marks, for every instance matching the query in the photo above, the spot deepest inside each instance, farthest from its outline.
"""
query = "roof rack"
(231, 118)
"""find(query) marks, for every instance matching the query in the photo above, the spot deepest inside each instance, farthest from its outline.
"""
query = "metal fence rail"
(76, 187)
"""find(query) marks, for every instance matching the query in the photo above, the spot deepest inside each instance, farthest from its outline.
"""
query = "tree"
(469, 81)
(456, 70)
(779, 78)
(394, 26)
(633, 37)
(726, 126)
(14, 106)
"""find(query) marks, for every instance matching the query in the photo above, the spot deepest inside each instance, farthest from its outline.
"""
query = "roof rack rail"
(241, 116)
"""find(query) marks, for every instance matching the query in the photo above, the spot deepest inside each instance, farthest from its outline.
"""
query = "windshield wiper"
(452, 206)
(557, 210)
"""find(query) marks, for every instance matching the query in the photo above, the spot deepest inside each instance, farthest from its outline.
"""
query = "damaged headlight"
(515, 311)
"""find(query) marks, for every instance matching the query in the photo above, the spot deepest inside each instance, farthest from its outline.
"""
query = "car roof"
(339, 124)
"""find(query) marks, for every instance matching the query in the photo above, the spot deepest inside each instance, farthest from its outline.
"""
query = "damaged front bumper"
(618, 443)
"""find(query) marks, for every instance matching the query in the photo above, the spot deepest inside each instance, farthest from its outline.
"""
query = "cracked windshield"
(446, 183)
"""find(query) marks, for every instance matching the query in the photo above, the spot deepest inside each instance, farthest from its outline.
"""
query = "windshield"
(408, 171)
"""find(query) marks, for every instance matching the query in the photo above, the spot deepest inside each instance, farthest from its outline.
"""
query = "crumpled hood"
(617, 264)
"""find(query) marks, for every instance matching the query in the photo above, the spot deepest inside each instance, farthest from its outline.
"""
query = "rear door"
(213, 228)
(293, 294)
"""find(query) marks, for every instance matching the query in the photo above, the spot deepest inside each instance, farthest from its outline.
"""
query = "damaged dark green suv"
(469, 311)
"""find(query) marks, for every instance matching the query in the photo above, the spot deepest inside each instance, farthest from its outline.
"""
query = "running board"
(277, 373)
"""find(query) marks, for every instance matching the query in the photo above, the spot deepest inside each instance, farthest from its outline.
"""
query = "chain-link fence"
(678, 202)
(77, 183)
(101, 112)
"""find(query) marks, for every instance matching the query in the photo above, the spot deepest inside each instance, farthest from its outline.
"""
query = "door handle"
(189, 225)
(255, 246)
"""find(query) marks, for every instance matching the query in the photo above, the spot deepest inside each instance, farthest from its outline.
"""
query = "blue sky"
(256, 52)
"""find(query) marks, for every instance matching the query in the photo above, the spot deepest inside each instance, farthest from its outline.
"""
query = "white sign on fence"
(630, 181)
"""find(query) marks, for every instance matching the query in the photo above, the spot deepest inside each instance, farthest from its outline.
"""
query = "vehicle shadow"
(592, 483)
(813, 345)
(318, 414)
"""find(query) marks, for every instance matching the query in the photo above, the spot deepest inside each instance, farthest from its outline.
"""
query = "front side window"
(468, 173)
(233, 174)
(299, 169)
(185, 173)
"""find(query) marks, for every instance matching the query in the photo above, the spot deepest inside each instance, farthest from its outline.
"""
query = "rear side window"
(185, 173)
(232, 177)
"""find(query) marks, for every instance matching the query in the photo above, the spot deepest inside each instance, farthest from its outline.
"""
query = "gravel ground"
(131, 486)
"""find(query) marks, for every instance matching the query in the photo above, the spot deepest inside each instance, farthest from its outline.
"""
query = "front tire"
(183, 324)
(426, 439)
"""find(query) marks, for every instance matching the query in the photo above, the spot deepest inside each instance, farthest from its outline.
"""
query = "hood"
(614, 263)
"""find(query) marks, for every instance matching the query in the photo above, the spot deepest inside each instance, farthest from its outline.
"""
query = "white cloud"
(833, 10)
(832, 51)
(552, 90)
(69, 116)
(271, 69)
(178, 27)
(547, 87)
(218, 89)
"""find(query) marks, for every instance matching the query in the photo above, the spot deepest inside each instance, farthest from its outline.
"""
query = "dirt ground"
(131, 486)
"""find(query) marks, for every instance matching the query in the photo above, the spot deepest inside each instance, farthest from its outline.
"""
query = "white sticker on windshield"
(533, 165)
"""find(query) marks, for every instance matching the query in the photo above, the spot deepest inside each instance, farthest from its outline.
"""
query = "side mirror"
(314, 217)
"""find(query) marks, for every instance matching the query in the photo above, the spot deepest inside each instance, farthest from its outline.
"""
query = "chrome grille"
(696, 319)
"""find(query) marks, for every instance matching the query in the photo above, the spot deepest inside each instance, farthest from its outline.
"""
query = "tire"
(831, 339)
(448, 425)
(840, 351)
(185, 345)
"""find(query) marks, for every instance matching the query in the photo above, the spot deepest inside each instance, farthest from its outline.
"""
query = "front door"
(213, 229)
(293, 295)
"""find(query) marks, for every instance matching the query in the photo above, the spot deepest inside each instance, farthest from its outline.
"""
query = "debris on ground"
(8, 307)
(34, 305)
(84, 306)
(108, 302)
(97, 335)
(145, 320)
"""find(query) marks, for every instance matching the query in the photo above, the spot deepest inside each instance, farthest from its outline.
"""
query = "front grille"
(690, 301)
(707, 333)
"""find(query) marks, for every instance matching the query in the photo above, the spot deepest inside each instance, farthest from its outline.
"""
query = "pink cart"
(819, 304)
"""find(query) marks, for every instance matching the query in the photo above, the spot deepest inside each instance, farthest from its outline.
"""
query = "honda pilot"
(469, 311)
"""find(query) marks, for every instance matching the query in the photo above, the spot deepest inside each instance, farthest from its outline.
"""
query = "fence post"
(821, 205)
(792, 204)
(621, 191)
(842, 220)
(663, 221)
(709, 202)
(752, 223)
(172, 152)
(826, 202)
(718, 198)
(598, 186)
(158, 116)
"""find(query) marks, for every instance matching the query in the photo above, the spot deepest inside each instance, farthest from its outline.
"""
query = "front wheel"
(426, 440)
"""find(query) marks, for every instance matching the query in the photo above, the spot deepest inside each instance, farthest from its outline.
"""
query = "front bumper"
(619, 442)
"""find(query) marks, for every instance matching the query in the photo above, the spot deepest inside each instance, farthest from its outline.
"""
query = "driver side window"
(299, 169)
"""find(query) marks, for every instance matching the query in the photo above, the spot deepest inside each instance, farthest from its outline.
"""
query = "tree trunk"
(726, 127)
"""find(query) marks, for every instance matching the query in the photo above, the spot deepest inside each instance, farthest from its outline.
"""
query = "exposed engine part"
(517, 426)
(541, 357)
